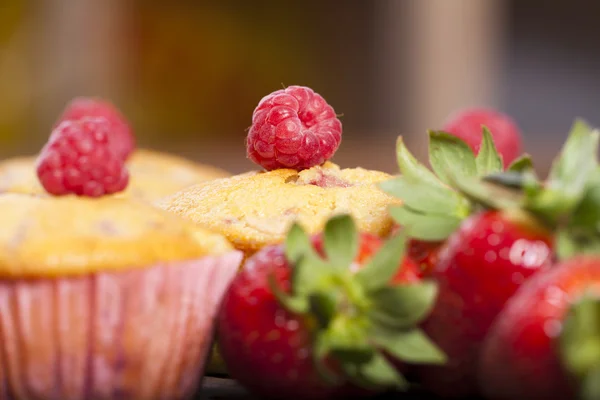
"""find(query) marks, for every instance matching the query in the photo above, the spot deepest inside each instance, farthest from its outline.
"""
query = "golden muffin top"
(153, 175)
(257, 208)
(60, 236)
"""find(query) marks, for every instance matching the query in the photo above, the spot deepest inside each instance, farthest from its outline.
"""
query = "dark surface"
(221, 388)
(215, 388)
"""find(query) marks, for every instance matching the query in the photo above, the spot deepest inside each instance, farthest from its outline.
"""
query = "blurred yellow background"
(188, 74)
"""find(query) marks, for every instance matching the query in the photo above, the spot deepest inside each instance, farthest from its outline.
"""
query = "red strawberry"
(298, 325)
(546, 342)
(479, 269)
(432, 207)
(467, 125)
(508, 237)
(122, 135)
(423, 253)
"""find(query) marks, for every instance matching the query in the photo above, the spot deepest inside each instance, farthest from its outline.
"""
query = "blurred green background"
(188, 74)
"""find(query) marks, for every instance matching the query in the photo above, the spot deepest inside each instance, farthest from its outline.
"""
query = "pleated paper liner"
(139, 334)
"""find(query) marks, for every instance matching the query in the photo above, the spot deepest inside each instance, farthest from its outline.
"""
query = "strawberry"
(423, 253)
(467, 123)
(298, 324)
(432, 208)
(479, 268)
(499, 228)
(370, 244)
(545, 344)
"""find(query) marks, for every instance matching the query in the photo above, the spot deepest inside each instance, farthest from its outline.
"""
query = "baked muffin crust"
(65, 236)
(256, 208)
(153, 175)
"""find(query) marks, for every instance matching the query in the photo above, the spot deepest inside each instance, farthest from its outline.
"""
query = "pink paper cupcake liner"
(139, 334)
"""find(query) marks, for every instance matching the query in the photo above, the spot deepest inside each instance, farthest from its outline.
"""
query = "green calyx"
(359, 316)
(579, 345)
(566, 203)
(434, 204)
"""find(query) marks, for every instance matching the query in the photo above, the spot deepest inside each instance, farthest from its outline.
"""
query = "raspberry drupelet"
(80, 158)
(293, 128)
(88, 107)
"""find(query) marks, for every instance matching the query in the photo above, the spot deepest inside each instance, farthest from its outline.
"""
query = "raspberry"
(79, 158)
(293, 128)
(80, 107)
(467, 124)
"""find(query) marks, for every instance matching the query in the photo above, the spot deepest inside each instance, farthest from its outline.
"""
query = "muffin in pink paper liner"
(153, 175)
(105, 299)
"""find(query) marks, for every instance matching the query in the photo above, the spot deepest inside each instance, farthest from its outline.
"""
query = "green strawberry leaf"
(321, 352)
(450, 155)
(349, 340)
(380, 269)
(526, 181)
(308, 267)
(429, 227)
(579, 342)
(568, 179)
(488, 160)
(340, 241)
(490, 195)
(578, 159)
(571, 241)
(425, 198)
(294, 304)
(587, 213)
(297, 244)
(309, 273)
(411, 346)
(381, 372)
(345, 307)
(323, 305)
(581, 233)
(413, 169)
(521, 164)
(402, 306)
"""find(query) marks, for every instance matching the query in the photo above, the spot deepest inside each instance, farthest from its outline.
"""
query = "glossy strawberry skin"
(480, 267)
(267, 349)
(519, 358)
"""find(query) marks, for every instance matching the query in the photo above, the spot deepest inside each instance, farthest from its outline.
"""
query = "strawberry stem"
(352, 309)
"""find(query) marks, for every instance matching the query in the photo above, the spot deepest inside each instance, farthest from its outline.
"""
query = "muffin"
(153, 175)
(256, 209)
(106, 298)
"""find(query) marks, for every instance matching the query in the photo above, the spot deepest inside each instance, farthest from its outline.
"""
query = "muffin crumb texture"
(63, 236)
(153, 175)
(255, 209)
